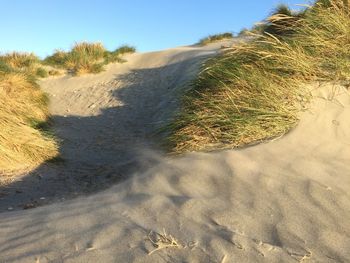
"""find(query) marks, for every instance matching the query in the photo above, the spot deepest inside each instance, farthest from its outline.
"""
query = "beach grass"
(25, 138)
(23, 62)
(20, 61)
(115, 56)
(86, 58)
(22, 103)
(214, 38)
(254, 91)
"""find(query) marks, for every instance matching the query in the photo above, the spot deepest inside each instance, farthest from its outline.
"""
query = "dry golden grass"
(18, 60)
(325, 33)
(86, 58)
(92, 50)
(22, 105)
(162, 241)
(27, 63)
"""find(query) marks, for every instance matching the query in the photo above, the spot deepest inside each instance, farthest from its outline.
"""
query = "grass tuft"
(115, 56)
(57, 59)
(125, 49)
(41, 72)
(86, 58)
(27, 63)
(214, 38)
(82, 59)
(22, 103)
(19, 61)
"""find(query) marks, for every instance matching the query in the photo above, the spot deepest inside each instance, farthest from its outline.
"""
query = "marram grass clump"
(254, 91)
(22, 103)
(214, 38)
(281, 22)
(22, 62)
(86, 58)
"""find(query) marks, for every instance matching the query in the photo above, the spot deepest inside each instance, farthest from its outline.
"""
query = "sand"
(105, 122)
(283, 201)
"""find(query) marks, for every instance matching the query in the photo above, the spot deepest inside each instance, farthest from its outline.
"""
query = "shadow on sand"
(99, 151)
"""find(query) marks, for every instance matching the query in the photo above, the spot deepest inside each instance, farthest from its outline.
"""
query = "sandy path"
(107, 123)
(283, 201)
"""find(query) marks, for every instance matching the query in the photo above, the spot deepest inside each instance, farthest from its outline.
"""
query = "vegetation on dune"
(214, 38)
(282, 21)
(41, 72)
(124, 49)
(254, 91)
(20, 61)
(22, 106)
(25, 140)
(27, 63)
(83, 58)
(115, 56)
(86, 58)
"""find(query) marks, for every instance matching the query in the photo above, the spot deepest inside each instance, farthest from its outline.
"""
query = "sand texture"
(283, 201)
(105, 122)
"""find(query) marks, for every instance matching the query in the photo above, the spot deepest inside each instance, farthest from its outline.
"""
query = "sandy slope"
(105, 122)
(283, 201)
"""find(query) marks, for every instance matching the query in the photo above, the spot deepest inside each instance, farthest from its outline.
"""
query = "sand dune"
(104, 120)
(283, 201)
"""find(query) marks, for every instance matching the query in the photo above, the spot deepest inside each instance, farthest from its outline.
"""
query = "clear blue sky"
(44, 25)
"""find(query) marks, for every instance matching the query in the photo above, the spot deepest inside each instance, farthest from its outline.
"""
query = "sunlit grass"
(86, 58)
(17, 60)
(254, 91)
(214, 38)
(22, 102)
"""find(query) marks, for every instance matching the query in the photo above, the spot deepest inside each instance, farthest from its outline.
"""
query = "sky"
(41, 26)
